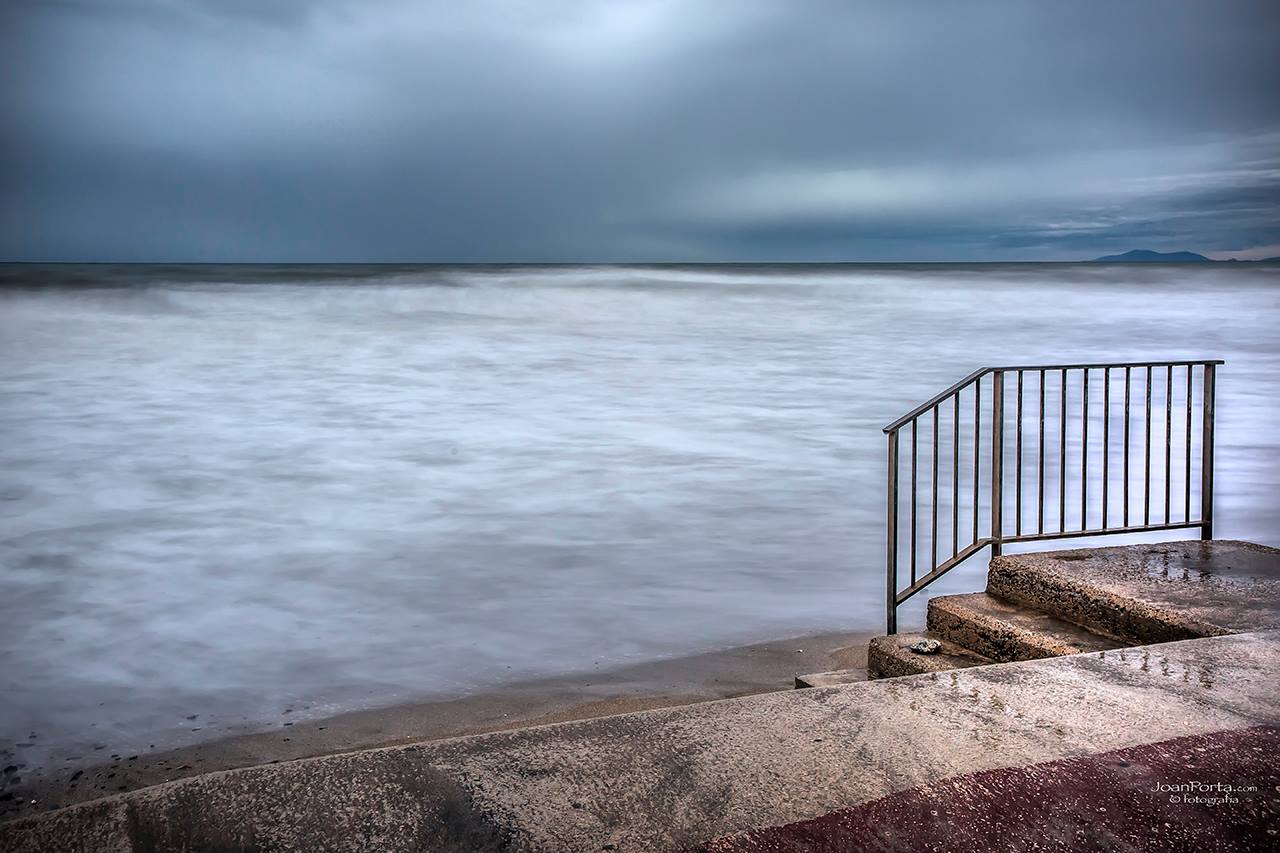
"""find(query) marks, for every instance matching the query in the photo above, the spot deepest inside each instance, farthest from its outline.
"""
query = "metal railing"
(1058, 442)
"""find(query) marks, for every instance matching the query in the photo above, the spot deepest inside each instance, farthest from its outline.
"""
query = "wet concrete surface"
(1044, 604)
(671, 779)
(1199, 561)
(1213, 792)
(1003, 631)
(892, 656)
(1149, 593)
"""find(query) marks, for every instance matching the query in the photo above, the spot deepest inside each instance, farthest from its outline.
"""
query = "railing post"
(1206, 456)
(891, 548)
(997, 462)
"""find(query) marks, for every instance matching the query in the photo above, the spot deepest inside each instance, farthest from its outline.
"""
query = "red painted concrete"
(1104, 802)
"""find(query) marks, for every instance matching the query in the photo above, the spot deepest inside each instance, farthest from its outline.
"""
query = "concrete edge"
(1093, 608)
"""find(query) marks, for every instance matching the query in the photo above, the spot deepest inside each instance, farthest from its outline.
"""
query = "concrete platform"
(1149, 593)
(678, 778)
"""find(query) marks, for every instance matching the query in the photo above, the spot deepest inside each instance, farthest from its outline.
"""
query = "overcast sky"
(637, 130)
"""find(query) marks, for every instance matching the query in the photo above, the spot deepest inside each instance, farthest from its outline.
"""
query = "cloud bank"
(636, 130)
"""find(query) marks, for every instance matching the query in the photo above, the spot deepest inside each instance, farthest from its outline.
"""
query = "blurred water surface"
(228, 491)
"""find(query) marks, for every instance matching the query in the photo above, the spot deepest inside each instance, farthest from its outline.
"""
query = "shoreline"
(705, 677)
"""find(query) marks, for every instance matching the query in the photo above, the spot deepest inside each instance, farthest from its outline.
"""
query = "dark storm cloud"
(636, 129)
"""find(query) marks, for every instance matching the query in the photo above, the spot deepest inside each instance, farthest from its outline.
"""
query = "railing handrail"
(938, 398)
(991, 486)
(983, 371)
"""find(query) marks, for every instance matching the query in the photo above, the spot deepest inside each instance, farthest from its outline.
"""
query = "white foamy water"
(228, 492)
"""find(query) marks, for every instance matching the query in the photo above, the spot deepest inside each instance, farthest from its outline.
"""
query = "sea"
(226, 491)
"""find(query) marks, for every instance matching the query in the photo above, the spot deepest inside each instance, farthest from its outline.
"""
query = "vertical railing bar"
(1084, 453)
(1146, 459)
(1168, 438)
(891, 548)
(934, 481)
(997, 463)
(1040, 502)
(914, 422)
(1106, 441)
(977, 451)
(1206, 455)
(1018, 464)
(1127, 385)
(955, 478)
(1186, 485)
(1062, 458)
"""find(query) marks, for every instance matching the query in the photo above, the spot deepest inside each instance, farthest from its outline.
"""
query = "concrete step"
(891, 656)
(1153, 593)
(831, 679)
(670, 779)
(1005, 631)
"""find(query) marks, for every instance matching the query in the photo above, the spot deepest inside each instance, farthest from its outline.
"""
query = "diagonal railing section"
(1027, 453)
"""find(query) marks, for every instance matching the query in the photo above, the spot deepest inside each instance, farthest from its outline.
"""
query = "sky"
(637, 130)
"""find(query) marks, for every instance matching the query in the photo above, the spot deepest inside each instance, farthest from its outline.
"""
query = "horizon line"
(597, 263)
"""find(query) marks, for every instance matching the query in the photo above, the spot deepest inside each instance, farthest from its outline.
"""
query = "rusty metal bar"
(955, 477)
(947, 566)
(891, 552)
(1168, 438)
(914, 432)
(1098, 365)
(1040, 445)
(997, 462)
(1018, 465)
(1146, 459)
(933, 541)
(1062, 458)
(1186, 482)
(1084, 452)
(1106, 442)
(963, 383)
(1127, 386)
(938, 398)
(977, 451)
(1115, 531)
(1206, 453)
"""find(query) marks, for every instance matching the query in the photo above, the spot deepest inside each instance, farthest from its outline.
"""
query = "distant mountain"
(1143, 256)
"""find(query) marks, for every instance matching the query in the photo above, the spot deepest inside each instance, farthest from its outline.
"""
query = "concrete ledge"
(1006, 632)
(891, 656)
(1149, 593)
(833, 678)
(676, 778)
